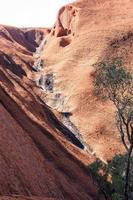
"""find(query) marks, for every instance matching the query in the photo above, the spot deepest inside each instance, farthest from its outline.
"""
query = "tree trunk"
(128, 172)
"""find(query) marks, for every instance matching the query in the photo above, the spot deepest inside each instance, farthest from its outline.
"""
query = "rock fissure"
(57, 101)
(72, 127)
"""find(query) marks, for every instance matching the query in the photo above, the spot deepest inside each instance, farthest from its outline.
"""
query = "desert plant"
(114, 82)
(112, 187)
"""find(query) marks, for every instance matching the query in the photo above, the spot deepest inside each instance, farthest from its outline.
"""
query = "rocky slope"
(39, 157)
(86, 32)
(50, 118)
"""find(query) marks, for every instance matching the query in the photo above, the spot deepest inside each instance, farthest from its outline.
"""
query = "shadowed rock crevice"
(72, 127)
(51, 118)
(64, 42)
(70, 135)
(54, 152)
(9, 63)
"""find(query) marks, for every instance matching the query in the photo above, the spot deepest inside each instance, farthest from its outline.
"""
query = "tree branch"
(122, 134)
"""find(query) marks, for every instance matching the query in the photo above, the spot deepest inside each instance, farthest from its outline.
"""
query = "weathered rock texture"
(86, 32)
(37, 157)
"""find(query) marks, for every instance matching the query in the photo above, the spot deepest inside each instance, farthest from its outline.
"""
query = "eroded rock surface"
(87, 32)
(37, 157)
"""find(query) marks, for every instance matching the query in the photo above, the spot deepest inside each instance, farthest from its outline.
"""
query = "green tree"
(114, 82)
(116, 170)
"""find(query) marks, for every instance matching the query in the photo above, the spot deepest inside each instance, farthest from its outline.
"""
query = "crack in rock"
(56, 100)
(71, 126)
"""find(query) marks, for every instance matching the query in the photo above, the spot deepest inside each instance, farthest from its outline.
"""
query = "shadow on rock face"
(9, 63)
(68, 134)
(64, 42)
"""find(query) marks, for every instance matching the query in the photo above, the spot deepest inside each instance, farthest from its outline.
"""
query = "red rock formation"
(35, 158)
(86, 32)
(65, 21)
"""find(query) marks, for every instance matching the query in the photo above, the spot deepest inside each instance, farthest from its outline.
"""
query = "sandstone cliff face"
(87, 32)
(49, 114)
(37, 157)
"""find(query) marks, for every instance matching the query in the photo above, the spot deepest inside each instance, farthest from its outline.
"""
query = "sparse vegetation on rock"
(110, 177)
(114, 82)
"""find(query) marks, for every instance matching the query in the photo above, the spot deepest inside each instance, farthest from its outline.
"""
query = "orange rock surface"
(36, 160)
(87, 32)
(49, 116)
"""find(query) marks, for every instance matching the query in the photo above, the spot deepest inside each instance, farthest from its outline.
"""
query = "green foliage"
(116, 169)
(104, 185)
(117, 196)
(113, 81)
